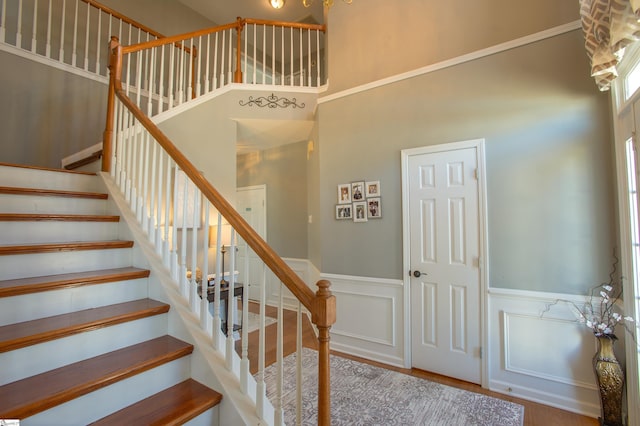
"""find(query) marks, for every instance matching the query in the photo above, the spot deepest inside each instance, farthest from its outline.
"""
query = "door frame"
(483, 261)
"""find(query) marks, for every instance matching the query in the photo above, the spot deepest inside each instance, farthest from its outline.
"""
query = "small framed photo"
(344, 211)
(372, 188)
(374, 208)
(344, 193)
(360, 211)
(357, 191)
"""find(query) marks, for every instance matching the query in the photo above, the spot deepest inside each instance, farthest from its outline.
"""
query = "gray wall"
(48, 114)
(284, 171)
(549, 164)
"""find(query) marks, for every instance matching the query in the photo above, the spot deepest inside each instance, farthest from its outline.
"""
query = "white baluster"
(230, 79)
(231, 304)
(161, 81)
(48, 48)
(190, 75)
(34, 42)
(174, 238)
(150, 86)
(151, 226)
(282, 60)
(75, 36)
(244, 352)
(206, 64)
(308, 57)
(172, 57)
(261, 391)
(279, 414)
(319, 82)
(222, 59)
(217, 323)
(159, 204)
(299, 365)
(255, 55)
(144, 182)
(19, 28)
(62, 25)
(273, 55)
(264, 54)
(215, 64)
(3, 19)
(167, 248)
(205, 322)
(291, 58)
(198, 73)
(193, 288)
(183, 245)
(98, 40)
(86, 39)
(301, 54)
(181, 81)
(246, 59)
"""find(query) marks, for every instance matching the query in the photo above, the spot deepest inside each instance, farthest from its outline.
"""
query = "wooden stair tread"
(52, 192)
(173, 406)
(24, 217)
(66, 246)
(22, 334)
(38, 393)
(29, 285)
(49, 169)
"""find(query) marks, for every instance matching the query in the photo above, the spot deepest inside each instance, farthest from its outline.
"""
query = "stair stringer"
(208, 365)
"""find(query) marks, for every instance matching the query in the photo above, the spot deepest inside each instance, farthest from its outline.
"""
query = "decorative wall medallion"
(272, 101)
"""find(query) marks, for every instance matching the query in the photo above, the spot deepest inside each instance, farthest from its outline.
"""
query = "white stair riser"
(208, 418)
(56, 231)
(45, 179)
(46, 304)
(102, 402)
(12, 203)
(39, 264)
(36, 359)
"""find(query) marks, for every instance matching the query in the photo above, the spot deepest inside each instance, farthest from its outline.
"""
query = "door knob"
(418, 274)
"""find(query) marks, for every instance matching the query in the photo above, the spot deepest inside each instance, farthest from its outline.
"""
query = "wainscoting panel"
(539, 352)
(369, 318)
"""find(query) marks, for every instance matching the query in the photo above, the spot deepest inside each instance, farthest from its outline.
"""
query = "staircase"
(80, 339)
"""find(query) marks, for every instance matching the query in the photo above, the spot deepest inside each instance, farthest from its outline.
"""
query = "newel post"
(237, 78)
(107, 136)
(324, 316)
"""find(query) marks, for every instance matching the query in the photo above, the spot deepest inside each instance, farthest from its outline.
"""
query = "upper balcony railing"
(75, 34)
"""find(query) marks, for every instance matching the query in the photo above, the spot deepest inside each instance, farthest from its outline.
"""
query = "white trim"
(492, 50)
(483, 232)
(53, 63)
(367, 280)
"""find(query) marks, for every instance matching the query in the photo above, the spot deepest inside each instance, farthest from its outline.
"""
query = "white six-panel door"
(444, 252)
(251, 204)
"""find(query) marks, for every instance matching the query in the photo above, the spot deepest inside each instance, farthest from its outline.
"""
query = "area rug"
(362, 394)
(254, 321)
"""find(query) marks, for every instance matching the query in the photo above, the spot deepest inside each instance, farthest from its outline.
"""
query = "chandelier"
(278, 4)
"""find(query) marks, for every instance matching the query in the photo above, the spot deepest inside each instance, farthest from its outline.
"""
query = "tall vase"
(610, 380)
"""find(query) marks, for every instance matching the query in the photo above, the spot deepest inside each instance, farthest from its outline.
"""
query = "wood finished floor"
(534, 414)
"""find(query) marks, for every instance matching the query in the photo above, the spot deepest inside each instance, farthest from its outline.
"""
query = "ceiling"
(226, 11)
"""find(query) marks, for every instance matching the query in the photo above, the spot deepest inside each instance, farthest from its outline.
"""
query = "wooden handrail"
(296, 25)
(124, 18)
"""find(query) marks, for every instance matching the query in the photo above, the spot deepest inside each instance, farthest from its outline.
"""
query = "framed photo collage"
(359, 201)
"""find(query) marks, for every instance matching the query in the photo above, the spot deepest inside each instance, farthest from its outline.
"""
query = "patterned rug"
(362, 394)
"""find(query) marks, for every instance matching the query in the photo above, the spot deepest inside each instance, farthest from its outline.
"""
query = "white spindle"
(181, 75)
(159, 203)
(190, 74)
(273, 55)
(86, 38)
(301, 54)
(282, 59)
(204, 295)
(161, 81)
(255, 54)
(261, 390)
(230, 79)
(206, 64)
(99, 40)
(222, 59)
(292, 56)
(3, 19)
(264, 54)
(279, 414)
(244, 351)
(48, 48)
(308, 57)
(217, 323)
(174, 239)
(150, 86)
(183, 244)
(62, 24)
(231, 308)
(151, 229)
(299, 365)
(19, 28)
(172, 57)
(198, 72)
(246, 59)
(75, 36)
(34, 42)
(143, 165)
(193, 287)
(167, 212)
(319, 82)
(215, 64)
